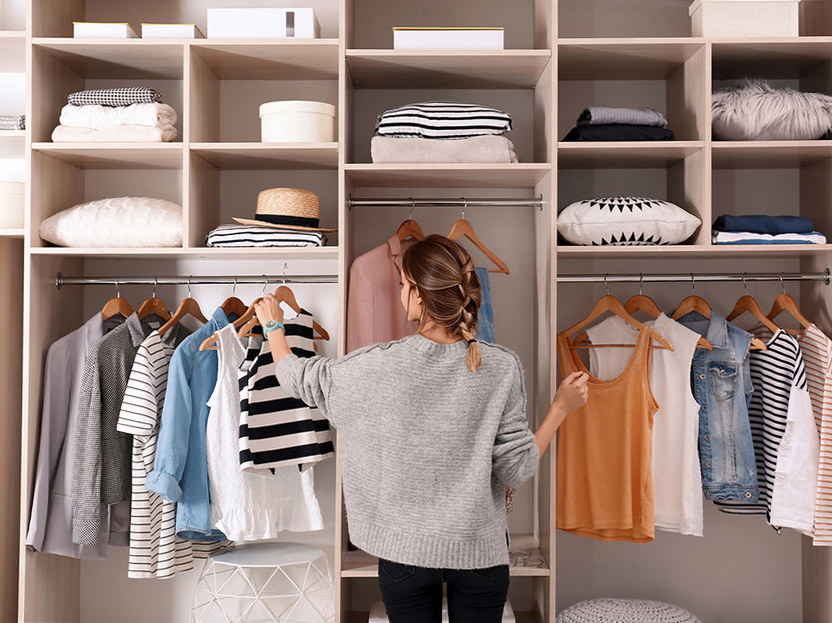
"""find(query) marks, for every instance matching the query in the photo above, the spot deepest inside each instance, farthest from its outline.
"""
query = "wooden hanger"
(187, 307)
(464, 228)
(785, 302)
(116, 306)
(233, 305)
(609, 303)
(408, 229)
(282, 294)
(692, 303)
(153, 306)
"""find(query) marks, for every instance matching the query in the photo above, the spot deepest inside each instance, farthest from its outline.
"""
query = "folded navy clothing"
(763, 224)
(618, 132)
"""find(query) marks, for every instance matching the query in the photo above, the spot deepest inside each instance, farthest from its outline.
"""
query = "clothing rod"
(462, 202)
(198, 280)
(694, 278)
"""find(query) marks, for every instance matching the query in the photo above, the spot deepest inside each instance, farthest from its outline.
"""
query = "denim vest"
(721, 384)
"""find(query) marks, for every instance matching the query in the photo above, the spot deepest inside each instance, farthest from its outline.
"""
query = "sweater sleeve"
(86, 479)
(515, 455)
(307, 379)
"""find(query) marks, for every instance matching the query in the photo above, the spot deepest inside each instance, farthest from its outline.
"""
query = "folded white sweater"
(115, 134)
(488, 148)
(100, 117)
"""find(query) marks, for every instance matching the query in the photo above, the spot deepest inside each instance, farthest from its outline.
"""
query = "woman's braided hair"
(445, 277)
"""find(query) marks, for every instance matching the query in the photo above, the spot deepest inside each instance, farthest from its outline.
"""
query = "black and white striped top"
(262, 236)
(442, 120)
(774, 372)
(275, 428)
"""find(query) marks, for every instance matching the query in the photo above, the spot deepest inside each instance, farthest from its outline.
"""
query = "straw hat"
(286, 208)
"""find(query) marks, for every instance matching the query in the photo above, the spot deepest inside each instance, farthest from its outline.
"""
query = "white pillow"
(116, 222)
(629, 221)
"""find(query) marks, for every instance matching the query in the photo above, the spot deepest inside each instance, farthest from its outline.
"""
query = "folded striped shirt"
(122, 96)
(745, 237)
(12, 122)
(260, 236)
(442, 120)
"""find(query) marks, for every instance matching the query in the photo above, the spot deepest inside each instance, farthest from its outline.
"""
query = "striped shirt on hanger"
(275, 428)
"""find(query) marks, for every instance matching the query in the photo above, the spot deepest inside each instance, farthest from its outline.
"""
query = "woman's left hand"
(268, 309)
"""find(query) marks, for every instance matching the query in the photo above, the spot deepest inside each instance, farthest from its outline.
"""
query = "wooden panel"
(53, 18)
(51, 83)
(625, 154)
(115, 156)
(616, 59)
(545, 24)
(815, 19)
(437, 69)
(817, 577)
(202, 213)
(447, 176)
(816, 195)
(202, 101)
(12, 52)
(687, 188)
(12, 143)
(769, 58)
(247, 156)
(117, 59)
(56, 186)
(688, 99)
(769, 154)
(545, 126)
(270, 60)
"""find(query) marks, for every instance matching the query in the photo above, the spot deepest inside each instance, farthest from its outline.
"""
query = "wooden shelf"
(520, 617)
(440, 69)
(769, 154)
(12, 51)
(773, 58)
(625, 155)
(319, 253)
(12, 233)
(447, 175)
(12, 143)
(268, 155)
(315, 59)
(115, 155)
(126, 59)
(623, 59)
(661, 253)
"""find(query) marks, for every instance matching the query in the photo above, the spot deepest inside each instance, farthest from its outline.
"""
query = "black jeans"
(414, 594)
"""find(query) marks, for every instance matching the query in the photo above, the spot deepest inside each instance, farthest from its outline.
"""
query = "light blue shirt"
(180, 471)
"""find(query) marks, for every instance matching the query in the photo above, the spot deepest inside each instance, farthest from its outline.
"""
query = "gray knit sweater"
(426, 446)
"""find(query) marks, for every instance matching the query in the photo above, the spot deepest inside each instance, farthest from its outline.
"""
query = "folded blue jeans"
(762, 224)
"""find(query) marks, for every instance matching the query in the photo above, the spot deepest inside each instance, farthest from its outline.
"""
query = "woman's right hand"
(572, 393)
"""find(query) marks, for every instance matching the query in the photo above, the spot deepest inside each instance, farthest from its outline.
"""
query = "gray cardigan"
(427, 446)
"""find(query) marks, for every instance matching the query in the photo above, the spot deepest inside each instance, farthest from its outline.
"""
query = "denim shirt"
(180, 470)
(721, 384)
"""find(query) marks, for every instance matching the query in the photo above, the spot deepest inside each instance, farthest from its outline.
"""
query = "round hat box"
(11, 205)
(295, 121)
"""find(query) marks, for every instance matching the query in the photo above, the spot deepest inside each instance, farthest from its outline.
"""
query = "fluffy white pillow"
(116, 222)
(629, 221)
(754, 111)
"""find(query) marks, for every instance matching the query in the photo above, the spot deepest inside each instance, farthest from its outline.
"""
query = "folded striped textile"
(595, 115)
(100, 117)
(122, 96)
(442, 120)
(12, 122)
(115, 134)
(745, 237)
(260, 236)
(487, 148)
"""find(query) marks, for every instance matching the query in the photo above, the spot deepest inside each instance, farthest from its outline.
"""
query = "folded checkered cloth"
(12, 122)
(115, 97)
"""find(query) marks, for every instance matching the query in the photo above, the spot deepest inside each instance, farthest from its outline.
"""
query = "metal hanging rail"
(462, 202)
(694, 278)
(199, 280)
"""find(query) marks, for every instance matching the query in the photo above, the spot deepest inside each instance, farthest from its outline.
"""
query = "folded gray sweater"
(426, 446)
(596, 115)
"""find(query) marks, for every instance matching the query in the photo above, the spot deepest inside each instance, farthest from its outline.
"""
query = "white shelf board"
(319, 253)
(11, 233)
(268, 155)
(768, 154)
(12, 52)
(625, 154)
(661, 253)
(270, 59)
(771, 58)
(518, 175)
(12, 143)
(125, 59)
(624, 59)
(115, 155)
(442, 69)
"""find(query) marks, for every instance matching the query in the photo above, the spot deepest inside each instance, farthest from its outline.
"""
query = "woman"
(432, 428)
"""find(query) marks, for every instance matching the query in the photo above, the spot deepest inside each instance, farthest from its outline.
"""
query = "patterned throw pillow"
(628, 221)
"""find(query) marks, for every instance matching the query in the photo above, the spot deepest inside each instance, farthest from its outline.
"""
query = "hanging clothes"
(721, 381)
(246, 506)
(374, 308)
(485, 320)
(276, 429)
(102, 462)
(604, 486)
(180, 471)
(50, 523)
(677, 481)
(155, 550)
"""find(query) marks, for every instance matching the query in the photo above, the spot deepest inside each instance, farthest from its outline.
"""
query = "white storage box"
(295, 121)
(447, 38)
(95, 30)
(744, 18)
(11, 205)
(171, 31)
(263, 24)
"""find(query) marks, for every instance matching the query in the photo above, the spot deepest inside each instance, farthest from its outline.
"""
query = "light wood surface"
(247, 156)
(769, 154)
(115, 155)
(12, 52)
(12, 233)
(12, 143)
(624, 59)
(194, 252)
(516, 175)
(772, 58)
(625, 154)
(270, 59)
(117, 59)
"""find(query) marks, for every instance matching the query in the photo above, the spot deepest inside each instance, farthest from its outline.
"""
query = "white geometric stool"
(265, 583)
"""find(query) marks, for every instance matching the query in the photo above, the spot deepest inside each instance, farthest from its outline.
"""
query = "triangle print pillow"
(627, 221)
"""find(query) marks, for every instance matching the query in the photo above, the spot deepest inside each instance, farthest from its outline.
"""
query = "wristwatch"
(271, 325)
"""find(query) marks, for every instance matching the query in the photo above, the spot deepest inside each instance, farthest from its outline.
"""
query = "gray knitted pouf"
(625, 611)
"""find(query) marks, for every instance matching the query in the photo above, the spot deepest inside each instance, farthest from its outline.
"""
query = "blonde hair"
(445, 277)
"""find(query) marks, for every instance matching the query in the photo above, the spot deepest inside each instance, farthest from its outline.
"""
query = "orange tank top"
(605, 448)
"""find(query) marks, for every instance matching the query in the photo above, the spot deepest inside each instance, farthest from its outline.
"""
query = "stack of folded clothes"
(602, 123)
(12, 122)
(762, 229)
(262, 236)
(442, 132)
(124, 115)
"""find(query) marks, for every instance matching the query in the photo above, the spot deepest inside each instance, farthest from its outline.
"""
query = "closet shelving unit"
(561, 56)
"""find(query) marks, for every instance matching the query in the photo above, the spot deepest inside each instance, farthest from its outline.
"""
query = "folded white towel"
(488, 148)
(115, 134)
(100, 117)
